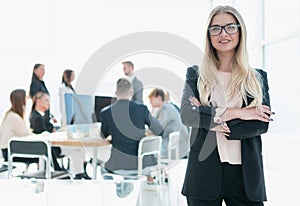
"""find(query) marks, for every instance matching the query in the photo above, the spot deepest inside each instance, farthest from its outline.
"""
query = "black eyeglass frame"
(223, 27)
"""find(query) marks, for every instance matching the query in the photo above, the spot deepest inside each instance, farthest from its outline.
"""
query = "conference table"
(62, 139)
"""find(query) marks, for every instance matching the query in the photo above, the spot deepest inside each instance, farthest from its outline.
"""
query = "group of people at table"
(124, 121)
(225, 101)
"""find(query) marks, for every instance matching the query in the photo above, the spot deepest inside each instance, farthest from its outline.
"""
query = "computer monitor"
(101, 102)
(79, 109)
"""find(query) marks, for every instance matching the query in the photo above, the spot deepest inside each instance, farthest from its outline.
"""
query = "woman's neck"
(225, 61)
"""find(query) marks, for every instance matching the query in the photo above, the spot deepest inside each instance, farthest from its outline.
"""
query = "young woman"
(66, 87)
(37, 82)
(226, 102)
(13, 124)
(38, 85)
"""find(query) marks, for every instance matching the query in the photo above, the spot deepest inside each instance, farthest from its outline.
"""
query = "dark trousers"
(56, 151)
(19, 159)
(233, 192)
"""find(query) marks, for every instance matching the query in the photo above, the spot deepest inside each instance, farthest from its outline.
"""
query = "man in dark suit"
(40, 121)
(125, 121)
(137, 85)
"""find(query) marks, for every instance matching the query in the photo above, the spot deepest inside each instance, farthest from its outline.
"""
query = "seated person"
(40, 122)
(125, 121)
(13, 124)
(169, 118)
(168, 100)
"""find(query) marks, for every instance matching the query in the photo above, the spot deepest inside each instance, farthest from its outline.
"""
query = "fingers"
(225, 128)
(264, 113)
(194, 101)
(267, 109)
(264, 119)
(226, 134)
(221, 128)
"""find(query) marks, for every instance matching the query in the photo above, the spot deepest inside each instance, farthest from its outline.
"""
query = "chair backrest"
(29, 148)
(173, 145)
(149, 146)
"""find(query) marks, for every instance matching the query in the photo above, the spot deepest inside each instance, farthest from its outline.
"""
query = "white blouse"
(63, 89)
(229, 150)
(12, 126)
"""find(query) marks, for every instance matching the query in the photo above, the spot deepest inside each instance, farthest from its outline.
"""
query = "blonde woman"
(226, 102)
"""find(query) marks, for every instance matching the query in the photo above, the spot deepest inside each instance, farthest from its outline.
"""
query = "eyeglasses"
(229, 29)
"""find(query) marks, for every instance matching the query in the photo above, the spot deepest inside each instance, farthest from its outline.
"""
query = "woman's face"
(40, 72)
(224, 42)
(72, 77)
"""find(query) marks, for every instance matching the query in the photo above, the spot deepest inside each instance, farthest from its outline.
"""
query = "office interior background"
(64, 34)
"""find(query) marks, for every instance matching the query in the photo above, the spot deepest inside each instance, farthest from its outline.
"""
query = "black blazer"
(203, 178)
(40, 123)
(125, 121)
(37, 86)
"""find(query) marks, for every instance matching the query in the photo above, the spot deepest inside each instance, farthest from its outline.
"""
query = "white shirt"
(229, 150)
(12, 126)
(131, 77)
(63, 89)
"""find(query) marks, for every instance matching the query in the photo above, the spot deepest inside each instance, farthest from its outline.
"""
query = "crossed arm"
(240, 123)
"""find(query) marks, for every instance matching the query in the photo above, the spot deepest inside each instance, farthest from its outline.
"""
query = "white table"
(61, 139)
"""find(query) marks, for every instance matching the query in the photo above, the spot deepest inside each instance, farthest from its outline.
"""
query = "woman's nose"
(223, 32)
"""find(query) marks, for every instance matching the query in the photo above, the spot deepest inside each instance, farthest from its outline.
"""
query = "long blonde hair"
(244, 78)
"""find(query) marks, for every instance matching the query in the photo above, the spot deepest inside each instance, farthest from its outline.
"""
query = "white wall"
(64, 34)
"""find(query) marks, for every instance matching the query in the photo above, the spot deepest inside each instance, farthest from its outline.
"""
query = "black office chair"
(4, 168)
(33, 148)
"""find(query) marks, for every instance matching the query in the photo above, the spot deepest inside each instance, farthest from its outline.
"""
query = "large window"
(274, 45)
(282, 64)
(281, 50)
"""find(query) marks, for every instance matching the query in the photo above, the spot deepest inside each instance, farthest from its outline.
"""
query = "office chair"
(33, 148)
(173, 145)
(147, 146)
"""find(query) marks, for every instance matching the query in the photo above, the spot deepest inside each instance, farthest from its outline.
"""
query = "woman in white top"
(77, 155)
(13, 124)
(66, 87)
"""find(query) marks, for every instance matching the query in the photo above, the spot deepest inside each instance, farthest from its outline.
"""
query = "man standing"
(125, 121)
(137, 85)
